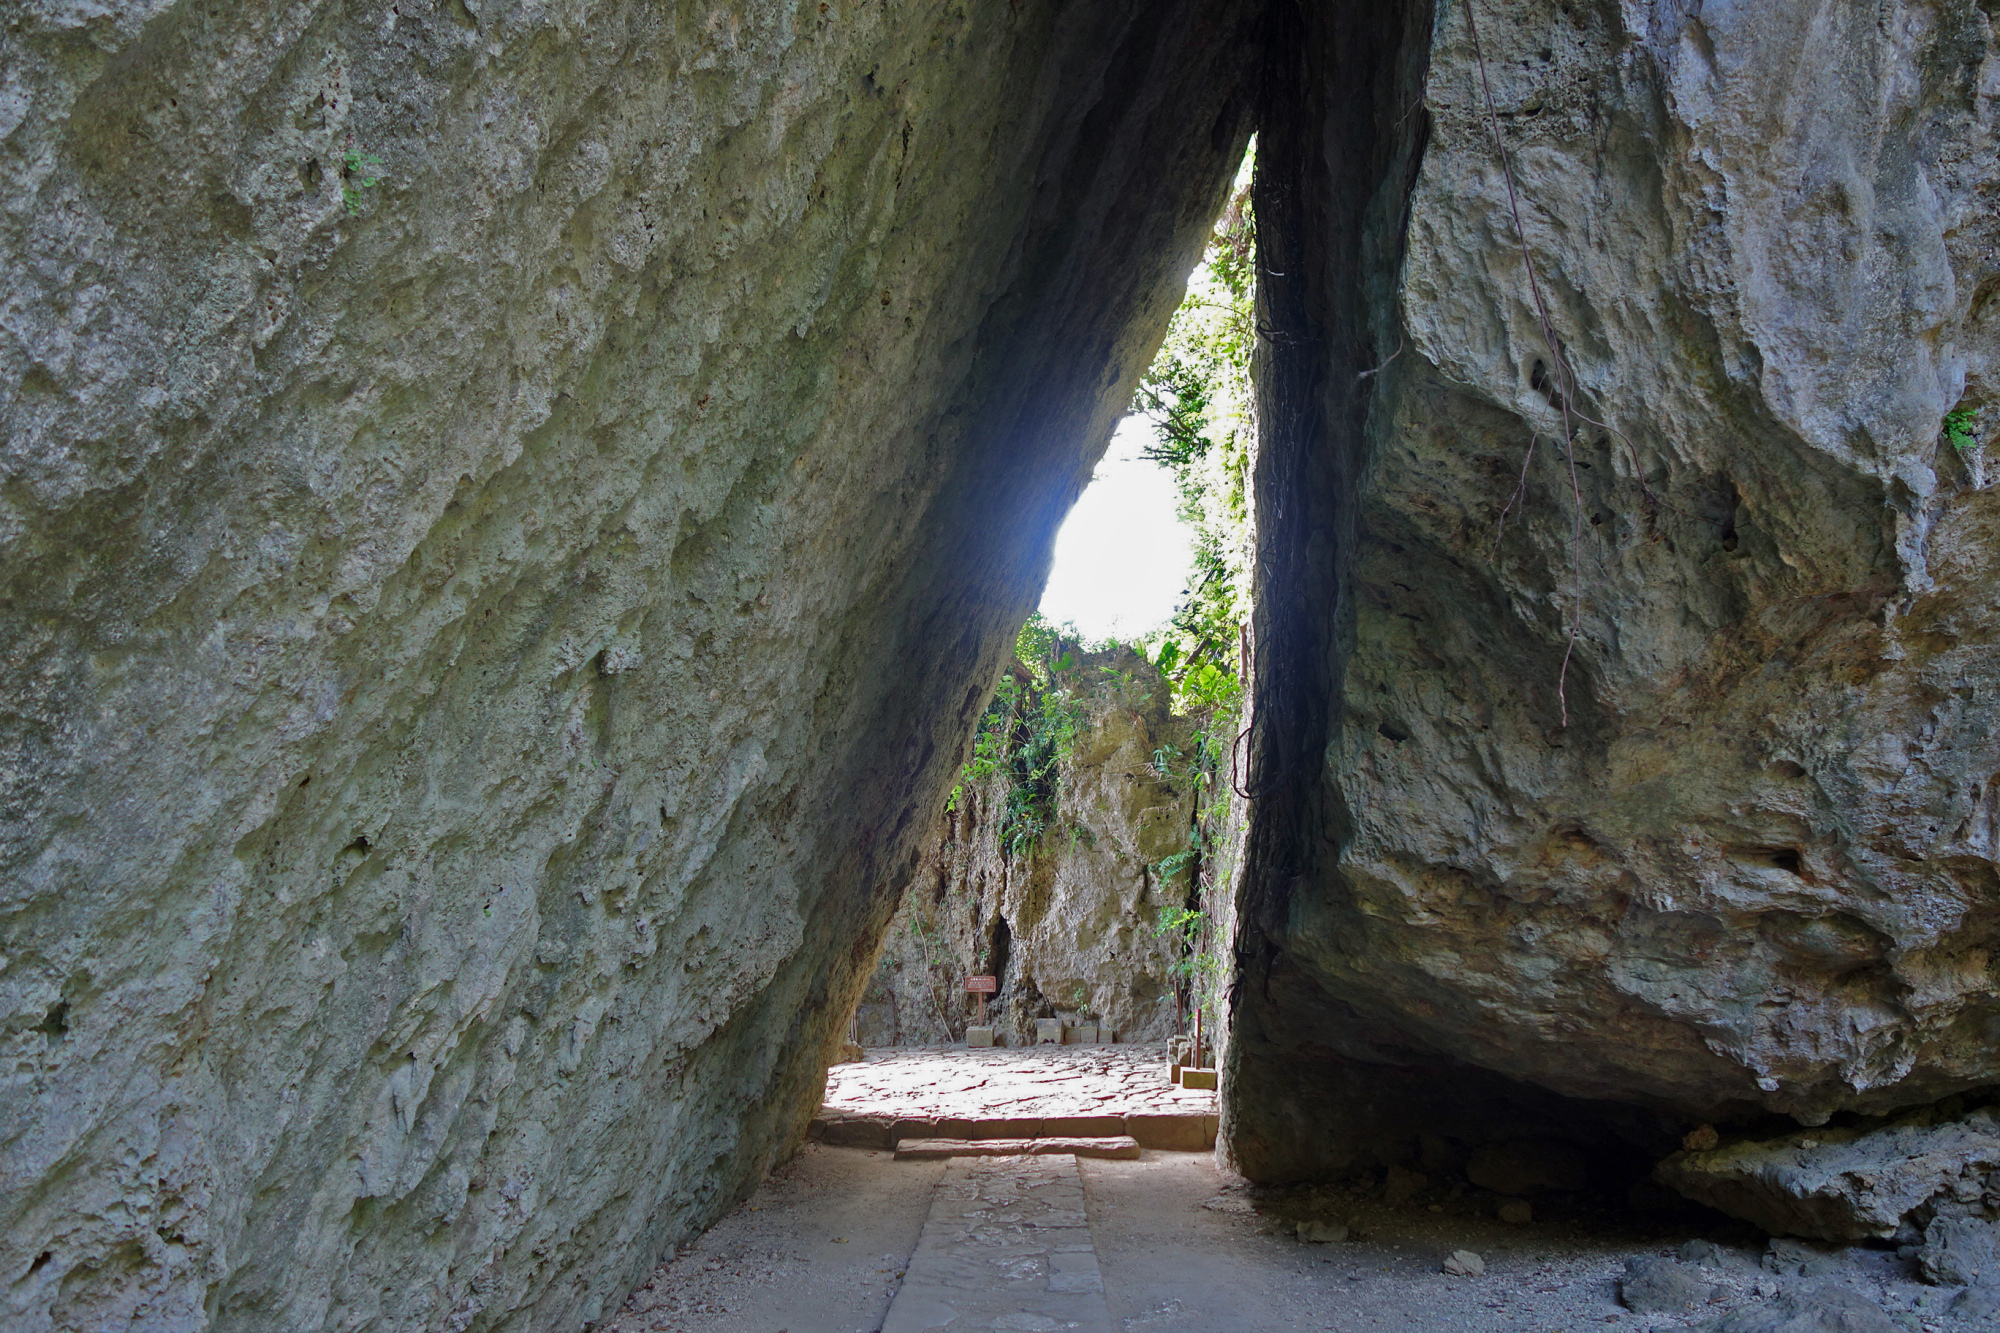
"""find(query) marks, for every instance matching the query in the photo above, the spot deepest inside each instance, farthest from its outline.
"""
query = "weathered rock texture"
(479, 670)
(1753, 869)
(1851, 1183)
(1068, 931)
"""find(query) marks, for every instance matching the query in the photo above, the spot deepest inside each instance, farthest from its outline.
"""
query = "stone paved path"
(1034, 1091)
(1006, 1249)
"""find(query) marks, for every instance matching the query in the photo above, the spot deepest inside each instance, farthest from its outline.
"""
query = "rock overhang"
(1647, 781)
(492, 638)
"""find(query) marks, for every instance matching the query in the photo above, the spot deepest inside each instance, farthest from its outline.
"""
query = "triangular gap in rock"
(1073, 909)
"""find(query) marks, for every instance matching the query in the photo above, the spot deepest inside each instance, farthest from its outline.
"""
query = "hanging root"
(1563, 393)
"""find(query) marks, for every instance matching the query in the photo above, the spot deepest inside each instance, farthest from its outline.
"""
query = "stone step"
(1006, 1248)
(1168, 1131)
(931, 1150)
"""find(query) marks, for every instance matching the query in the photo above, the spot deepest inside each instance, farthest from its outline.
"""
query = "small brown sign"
(982, 985)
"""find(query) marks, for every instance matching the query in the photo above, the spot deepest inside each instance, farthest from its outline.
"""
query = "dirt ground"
(1185, 1249)
(818, 1249)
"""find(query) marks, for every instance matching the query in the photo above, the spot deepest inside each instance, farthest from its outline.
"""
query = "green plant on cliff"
(357, 175)
(1197, 968)
(1026, 733)
(1961, 429)
(1198, 394)
(1042, 737)
(1192, 874)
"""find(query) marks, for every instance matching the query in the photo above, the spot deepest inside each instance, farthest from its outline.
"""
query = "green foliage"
(1042, 737)
(1207, 754)
(1198, 968)
(1961, 429)
(1191, 873)
(1025, 735)
(1170, 868)
(357, 175)
(1198, 394)
(1046, 648)
(1175, 393)
(1184, 924)
(1211, 688)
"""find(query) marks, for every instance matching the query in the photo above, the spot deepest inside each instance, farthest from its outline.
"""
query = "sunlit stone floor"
(1034, 1082)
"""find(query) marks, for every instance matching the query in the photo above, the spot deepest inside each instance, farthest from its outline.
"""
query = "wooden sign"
(982, 985)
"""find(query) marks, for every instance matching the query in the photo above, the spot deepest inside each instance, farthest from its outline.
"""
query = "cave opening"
(496, 635)
(1081, 874)
(1225, 817)
(1119, 857)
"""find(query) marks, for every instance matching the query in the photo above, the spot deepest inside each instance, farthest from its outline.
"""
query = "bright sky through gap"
(1122, 557)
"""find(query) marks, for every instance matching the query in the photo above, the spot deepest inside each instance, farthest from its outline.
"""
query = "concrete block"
(979, 1036)
(1048, 1031)
(1012, 1127)
(1173, 1133)
(1082, 1126)
(984, 1127)
(1203, 1079)
(858, 1132)
(1086, 1034)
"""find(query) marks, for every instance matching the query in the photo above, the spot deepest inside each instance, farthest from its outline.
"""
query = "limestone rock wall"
(484, 648)
(1754, 868)
(1069, 930)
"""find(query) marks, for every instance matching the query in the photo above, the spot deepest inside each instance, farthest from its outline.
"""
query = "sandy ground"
(1184, 1249)
(818, 1249)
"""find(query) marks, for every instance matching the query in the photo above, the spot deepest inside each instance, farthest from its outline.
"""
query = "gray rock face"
(1977, 1304)
(1794, 1258)
(1816, 1308)
(1961, 1251)
(481, 665)
(1654, 1285)
(1733, 847)
(1068, 931)
(1849, 1183)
